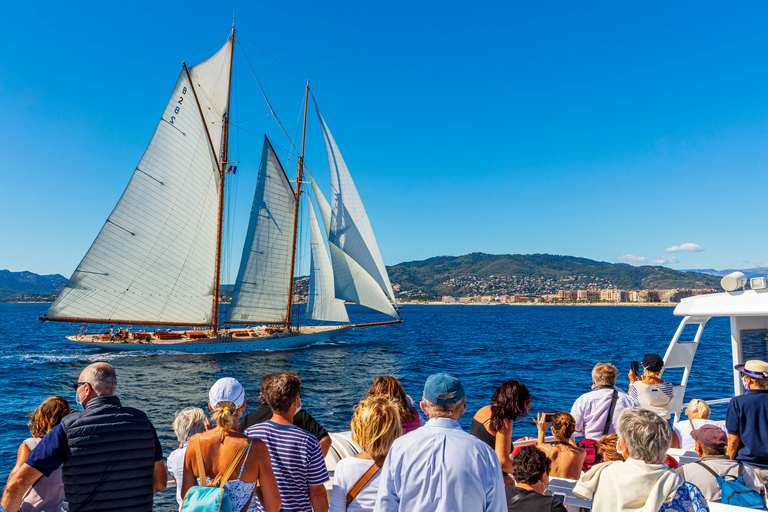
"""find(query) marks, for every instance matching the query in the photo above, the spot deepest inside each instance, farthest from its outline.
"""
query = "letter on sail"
(263, 281)
(153, 261)
(322, 303)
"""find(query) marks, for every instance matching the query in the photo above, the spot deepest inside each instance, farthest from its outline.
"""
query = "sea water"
(551, 349)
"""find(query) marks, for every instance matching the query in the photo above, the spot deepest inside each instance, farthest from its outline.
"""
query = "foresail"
(350, 228)
(322, 203)
(211, 80)
(322, 303)
(263, 281)
(354, 284)
(153, 261)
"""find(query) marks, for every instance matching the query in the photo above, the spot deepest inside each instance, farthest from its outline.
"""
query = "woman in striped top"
(648, 390)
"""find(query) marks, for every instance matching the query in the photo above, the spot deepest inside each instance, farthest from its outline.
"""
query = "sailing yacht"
(156, 263)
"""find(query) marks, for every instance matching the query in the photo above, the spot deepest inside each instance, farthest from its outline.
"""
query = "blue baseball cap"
(443, 384)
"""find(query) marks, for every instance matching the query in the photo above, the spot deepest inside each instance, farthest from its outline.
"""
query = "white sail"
(354, 284)
(211, 80)
(263, 281)
(351, 230)
(322, 303)
(153, 261)
(322, 203)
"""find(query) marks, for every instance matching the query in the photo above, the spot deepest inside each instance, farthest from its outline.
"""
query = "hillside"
(537, 274)
(26, 285)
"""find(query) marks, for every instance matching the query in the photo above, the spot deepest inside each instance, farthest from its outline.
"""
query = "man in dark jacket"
(111, 455)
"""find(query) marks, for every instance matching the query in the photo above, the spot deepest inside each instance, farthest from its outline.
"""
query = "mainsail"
(153, 262)
(263, 281)
(322, 303)
(351, 235)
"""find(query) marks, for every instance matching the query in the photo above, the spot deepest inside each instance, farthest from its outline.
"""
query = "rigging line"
(265, 95)
(270, 56)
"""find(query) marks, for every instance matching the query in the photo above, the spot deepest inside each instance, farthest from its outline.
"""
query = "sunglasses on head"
(78, 384)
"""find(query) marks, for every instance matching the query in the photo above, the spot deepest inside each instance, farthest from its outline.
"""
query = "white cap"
(226, 390)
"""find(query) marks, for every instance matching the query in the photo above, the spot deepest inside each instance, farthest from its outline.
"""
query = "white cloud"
(664, 260)
(631, 258)
(688, 246)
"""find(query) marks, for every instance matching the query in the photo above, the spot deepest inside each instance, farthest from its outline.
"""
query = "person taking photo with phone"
(567, 458)
(649, 390)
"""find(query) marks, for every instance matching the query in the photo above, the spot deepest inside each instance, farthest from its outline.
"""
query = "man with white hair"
(111, 455)
(597, 412)
(439, 467)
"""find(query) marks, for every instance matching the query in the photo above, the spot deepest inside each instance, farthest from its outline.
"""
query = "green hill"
(26, 285)
(538, 274)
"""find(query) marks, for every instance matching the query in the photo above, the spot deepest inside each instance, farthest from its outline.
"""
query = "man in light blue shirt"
(439, 467)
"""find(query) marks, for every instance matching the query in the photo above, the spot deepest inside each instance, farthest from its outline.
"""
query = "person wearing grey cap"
(746, 419)
(710, 445)
(439, 467)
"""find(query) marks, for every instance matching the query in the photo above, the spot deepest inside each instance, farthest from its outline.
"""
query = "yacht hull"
(225, 342)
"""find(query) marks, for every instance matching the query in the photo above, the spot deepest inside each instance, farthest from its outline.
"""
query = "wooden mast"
(299, 179)
(222, 173)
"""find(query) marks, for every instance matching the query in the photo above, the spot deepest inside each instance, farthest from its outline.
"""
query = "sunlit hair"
(563, 425)
(606, 447)
(48, 415)
(646, 435)
(510, 401)
(391, 388)
(445, 410)
(604, 374)
(376, 425)
(102, 378)
(653, 375)
(225, 415)
(697, 409)
(755, 383)
(530, 464)
(279, 390)
(188, 422)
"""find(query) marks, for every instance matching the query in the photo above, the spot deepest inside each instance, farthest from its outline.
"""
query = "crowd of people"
(612, 446)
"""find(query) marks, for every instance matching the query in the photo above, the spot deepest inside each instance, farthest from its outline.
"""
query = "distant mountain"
(19, 285)
(537, 274)
(749, 272)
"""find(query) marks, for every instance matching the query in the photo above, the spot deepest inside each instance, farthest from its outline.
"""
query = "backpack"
(210, 498)
(734, 492)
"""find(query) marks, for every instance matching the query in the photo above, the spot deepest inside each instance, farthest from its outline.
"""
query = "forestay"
(263, 281)
(153, 261)
(350, 229)
(322, 303)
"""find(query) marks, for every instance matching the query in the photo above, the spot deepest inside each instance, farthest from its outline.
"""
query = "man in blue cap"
(747, 419)
(439, 467)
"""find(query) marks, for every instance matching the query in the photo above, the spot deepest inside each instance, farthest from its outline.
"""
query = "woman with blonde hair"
(649, 390)
(375, 426)
(389, 387)
(698, 415)
(222, 446)
(567, 458)
(48, 493)
(607, 448)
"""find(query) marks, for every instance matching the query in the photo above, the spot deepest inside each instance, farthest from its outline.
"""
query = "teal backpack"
(734, 492)
(213, 497)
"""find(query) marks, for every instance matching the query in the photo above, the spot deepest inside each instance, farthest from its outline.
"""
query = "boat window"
(754, 345)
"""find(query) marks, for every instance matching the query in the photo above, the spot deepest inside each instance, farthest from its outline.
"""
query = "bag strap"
(709, 469)
(692, 427)
(222, 478)
(614, 398)
(375, 467)
(200, 464)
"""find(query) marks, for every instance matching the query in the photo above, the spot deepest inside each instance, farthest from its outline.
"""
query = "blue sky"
(613, 131)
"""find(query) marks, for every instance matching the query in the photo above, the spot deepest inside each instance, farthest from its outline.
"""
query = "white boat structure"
(156, 261)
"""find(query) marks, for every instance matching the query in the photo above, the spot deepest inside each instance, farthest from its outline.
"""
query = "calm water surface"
(552, 349)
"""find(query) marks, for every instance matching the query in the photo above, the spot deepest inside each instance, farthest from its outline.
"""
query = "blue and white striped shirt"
(297, 462)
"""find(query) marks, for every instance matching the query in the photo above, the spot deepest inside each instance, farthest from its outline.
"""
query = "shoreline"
(623, 304)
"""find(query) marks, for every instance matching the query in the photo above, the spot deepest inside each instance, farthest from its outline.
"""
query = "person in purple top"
(297, 460)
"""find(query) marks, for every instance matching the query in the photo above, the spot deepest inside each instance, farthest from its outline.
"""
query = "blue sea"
(551, 349)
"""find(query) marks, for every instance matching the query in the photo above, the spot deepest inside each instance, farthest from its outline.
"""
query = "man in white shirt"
(591, 409)
(439, 467)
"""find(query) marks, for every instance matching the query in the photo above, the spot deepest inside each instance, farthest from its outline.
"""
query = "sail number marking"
(177, 109)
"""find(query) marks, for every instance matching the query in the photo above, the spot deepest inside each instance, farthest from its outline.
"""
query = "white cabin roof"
(738, 303)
